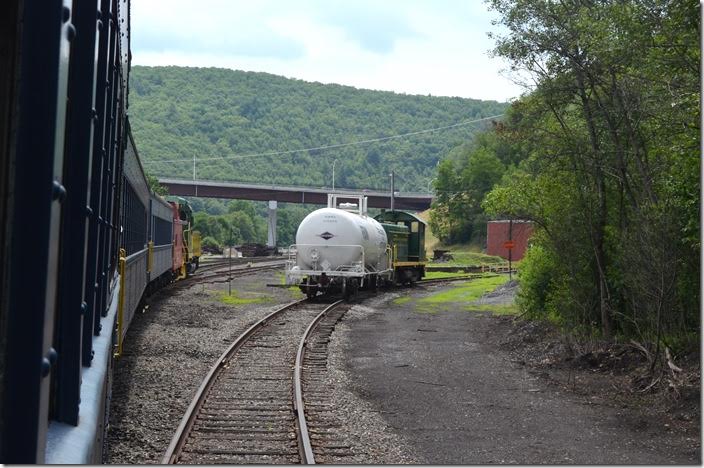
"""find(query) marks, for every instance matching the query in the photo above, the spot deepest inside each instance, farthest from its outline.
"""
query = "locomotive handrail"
(121, 303)
(135, 256)
(150, 256)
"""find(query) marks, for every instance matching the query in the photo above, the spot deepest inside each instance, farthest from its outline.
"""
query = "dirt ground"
(469, 387)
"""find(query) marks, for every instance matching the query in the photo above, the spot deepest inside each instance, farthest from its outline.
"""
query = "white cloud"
(414, 47)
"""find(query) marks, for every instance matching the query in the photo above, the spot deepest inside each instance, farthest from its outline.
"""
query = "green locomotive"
(406, 237)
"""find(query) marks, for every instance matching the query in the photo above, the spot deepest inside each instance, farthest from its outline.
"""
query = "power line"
(325, 147)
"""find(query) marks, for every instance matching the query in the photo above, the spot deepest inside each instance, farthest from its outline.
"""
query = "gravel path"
(442, 384)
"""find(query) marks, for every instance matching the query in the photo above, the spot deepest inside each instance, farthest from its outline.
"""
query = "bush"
(535, 276)
(211, 245)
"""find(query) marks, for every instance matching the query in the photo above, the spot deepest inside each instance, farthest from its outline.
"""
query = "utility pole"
(333, 175)
(229, 275)
(194, 174)
(510, 239)
(392, 190)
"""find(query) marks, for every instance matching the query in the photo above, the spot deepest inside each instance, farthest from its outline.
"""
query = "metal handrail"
(121, 303)
(293, 252)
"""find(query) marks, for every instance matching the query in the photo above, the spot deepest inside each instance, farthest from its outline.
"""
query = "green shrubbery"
(209, 243)
(536, 273)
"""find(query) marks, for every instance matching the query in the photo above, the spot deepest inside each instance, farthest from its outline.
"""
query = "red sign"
(509, 245)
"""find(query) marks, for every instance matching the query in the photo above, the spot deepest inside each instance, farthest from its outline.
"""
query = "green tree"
(155, 186)
(612, 129)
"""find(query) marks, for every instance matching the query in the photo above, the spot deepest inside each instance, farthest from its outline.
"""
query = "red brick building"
(497, 234)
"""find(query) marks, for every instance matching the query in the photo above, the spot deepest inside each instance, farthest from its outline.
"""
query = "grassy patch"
(464, 255)
(402, 300)
(464, 293)
(445, 274)
(236, 299)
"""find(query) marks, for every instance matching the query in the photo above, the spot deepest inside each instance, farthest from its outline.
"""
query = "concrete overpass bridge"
(288, 194)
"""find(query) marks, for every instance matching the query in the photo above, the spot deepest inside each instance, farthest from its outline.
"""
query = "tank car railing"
(353, 270)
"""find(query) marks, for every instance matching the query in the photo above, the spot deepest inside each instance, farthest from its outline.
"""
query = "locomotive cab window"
(414, 226)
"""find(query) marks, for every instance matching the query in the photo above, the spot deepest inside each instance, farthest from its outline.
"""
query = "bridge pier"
(271, 237)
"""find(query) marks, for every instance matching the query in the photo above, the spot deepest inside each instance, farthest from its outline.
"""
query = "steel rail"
(188, 420)
(220, 262)
(450, 279)
(223, 270)
(304, 445)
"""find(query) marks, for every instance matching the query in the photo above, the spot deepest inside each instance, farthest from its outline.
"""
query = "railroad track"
(453, 278)
(221, 272)
(250, 407)
(216, 263)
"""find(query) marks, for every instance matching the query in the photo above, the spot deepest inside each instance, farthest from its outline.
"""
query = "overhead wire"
(324, 147)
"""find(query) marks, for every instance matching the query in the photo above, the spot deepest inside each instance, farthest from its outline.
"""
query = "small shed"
(500, 232)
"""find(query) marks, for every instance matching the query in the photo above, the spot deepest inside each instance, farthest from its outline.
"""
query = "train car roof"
(398, 216)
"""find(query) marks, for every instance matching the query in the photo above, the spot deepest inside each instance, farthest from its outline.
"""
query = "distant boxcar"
(500, 231)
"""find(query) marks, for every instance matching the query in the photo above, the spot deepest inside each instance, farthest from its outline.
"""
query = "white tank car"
(331, 239)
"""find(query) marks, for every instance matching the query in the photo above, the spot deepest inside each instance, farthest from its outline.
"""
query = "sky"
(437, 47)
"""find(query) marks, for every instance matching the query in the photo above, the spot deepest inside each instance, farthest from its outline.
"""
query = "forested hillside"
(224, 116)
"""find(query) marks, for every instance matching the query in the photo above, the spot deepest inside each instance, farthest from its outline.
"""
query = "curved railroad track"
(212, 263)
(249, 409)
(221, 271)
